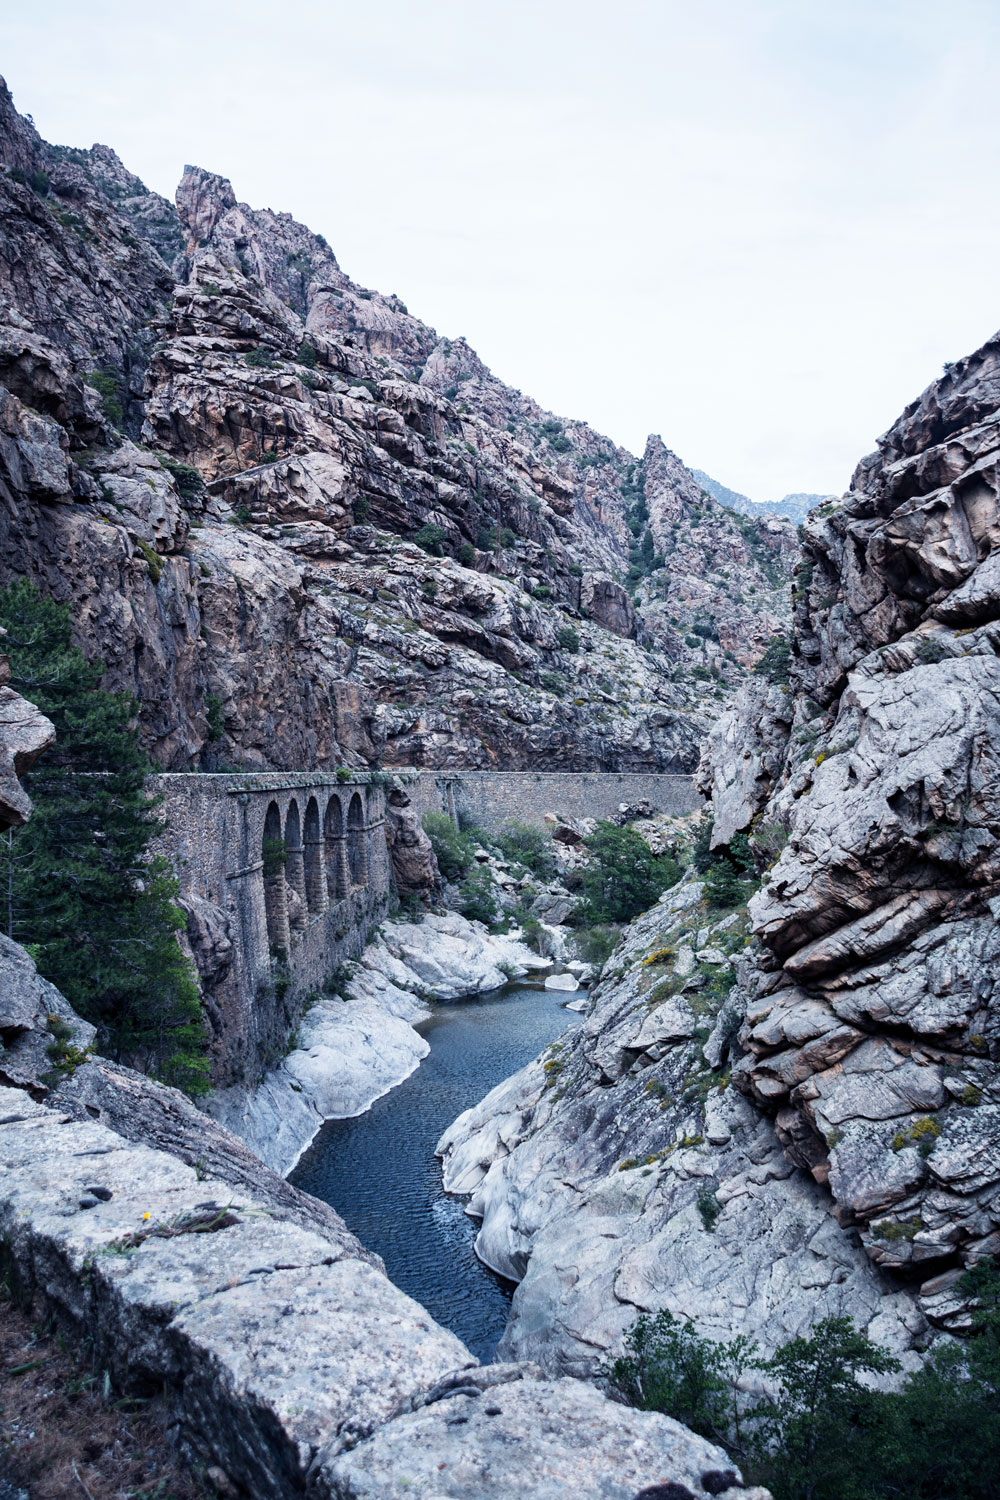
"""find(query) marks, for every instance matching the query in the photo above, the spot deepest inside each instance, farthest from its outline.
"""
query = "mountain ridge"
(457, 576)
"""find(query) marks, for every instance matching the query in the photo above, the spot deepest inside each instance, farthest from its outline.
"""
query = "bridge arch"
(275, 893)
(295, 873)
(338, 874)
(312, 850)
(357, 841)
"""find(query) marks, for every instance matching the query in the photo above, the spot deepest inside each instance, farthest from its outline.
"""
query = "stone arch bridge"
(282, 877)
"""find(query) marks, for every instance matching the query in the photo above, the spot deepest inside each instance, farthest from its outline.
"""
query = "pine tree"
(81, 887)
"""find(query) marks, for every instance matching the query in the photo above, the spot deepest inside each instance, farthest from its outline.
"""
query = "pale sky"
(756, 228)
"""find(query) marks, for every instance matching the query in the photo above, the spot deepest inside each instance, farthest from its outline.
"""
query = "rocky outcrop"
(794, 1111)
(303, 529)
(622, 1172)
(244, 1313)
(413, 862)
(870, 1012)
(24, 734)
(722, 591)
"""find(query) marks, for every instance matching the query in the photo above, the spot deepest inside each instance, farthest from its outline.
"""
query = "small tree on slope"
(81, 887)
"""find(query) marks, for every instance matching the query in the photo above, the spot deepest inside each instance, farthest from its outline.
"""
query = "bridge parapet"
(492, 798)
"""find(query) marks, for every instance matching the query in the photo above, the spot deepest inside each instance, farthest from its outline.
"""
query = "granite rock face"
(540, 1439)
(794, 1110)
(871, 1026)
(271, 1342)
(622, 1172)
(305, 530)
(24, 733)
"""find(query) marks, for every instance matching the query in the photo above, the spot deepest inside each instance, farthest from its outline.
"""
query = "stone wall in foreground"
(280, 1354)
(492, 798)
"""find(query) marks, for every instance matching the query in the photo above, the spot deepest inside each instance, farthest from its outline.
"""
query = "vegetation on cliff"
(826, 1432)
(81, 889)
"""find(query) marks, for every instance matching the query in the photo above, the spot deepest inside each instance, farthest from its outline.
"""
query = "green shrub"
(37, 180)
(260, 359)
(595, 945)
(477, 897)
(622, 876)
(214, 716)
(306, 355)
(429, 589)
(668, 1367)
(452, 848)
(274, 854)
(465, 554)
(723, 887)
(775, 664)
(432, 539)
(528, 846)
(508, 538)
(701, 848)
(152, 557)
(531, 930)
(739, 852)
(109, 387)
(930, 650)
(568, 638)
(709, 1207)
(826, 1432)
(541, 591)
(187, 479)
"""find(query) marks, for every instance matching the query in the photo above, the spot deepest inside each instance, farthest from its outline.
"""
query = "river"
(380, 1173)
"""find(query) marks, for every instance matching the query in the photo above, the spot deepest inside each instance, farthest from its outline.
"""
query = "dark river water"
(380, 1173)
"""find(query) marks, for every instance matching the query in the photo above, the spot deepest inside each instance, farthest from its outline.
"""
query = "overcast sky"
(757, 227)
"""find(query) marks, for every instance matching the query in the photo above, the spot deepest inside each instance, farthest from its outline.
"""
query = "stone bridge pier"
(282, 877)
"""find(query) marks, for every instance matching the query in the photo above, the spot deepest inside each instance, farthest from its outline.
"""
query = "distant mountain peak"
(794, 507)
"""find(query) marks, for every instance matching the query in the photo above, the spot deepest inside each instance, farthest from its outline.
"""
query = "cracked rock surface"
(795, 1111)
(221, 450)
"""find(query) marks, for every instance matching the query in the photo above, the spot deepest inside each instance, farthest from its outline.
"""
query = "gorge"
(356, 584)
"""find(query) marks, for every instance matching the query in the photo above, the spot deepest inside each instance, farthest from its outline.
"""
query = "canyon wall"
(777, 1112)
(305, 530)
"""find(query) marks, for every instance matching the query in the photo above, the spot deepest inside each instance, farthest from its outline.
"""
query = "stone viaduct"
(491, 798)
(282, 877)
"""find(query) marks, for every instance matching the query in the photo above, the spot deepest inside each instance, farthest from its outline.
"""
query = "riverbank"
(380, 1173)
(356, 1043)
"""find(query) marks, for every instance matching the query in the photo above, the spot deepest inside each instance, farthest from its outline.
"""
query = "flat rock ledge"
(281, 1354)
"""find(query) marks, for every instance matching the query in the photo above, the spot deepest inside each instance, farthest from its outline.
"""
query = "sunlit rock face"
(306, 530)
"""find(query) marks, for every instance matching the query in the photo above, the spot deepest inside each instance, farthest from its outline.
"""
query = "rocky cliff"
(255, 1333)
(303, 528)
(793, 1110)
